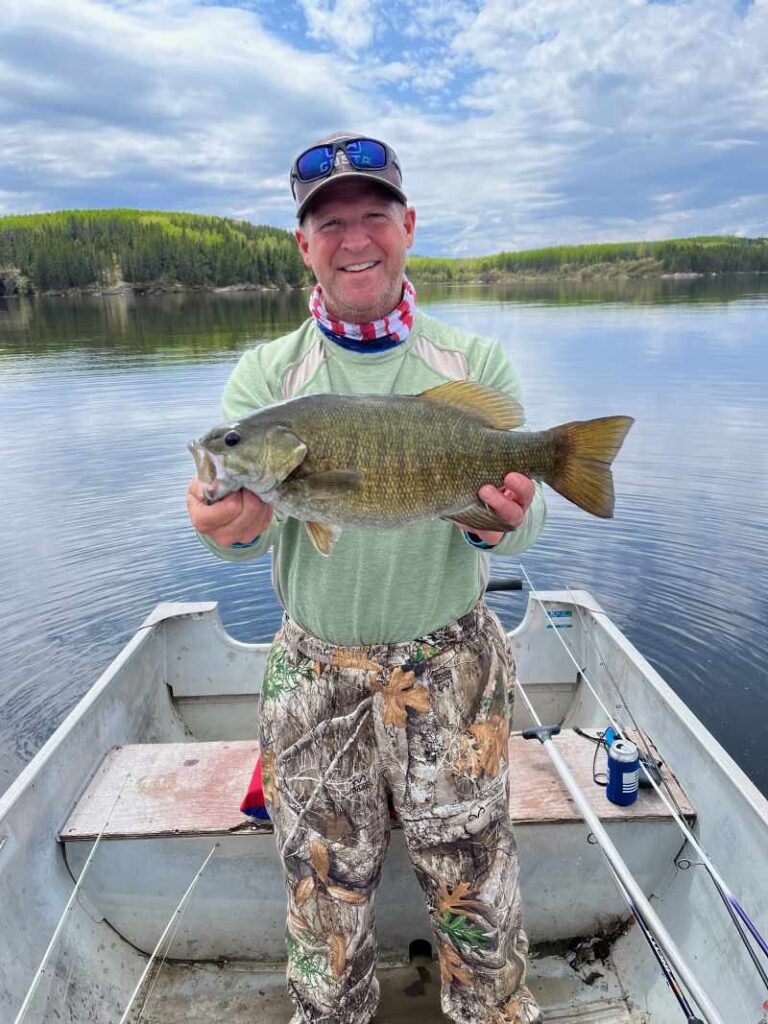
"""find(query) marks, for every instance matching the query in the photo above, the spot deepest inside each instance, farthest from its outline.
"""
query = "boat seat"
(194, 789)
(179, 801)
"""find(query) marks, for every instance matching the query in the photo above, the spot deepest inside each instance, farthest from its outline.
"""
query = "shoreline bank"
(584, 275)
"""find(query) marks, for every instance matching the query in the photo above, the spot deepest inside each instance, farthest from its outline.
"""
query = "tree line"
(84, 248)
(703, 255)
(81, 249)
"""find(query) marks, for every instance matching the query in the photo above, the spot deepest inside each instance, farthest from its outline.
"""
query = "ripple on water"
(97, 403)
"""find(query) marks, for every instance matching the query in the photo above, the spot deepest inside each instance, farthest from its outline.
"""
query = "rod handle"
(542, 733)
(504, 585)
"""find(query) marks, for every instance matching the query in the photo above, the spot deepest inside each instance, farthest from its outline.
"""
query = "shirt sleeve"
(246, 391)
(497, 372)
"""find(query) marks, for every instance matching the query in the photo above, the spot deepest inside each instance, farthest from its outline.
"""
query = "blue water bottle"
(623, 772)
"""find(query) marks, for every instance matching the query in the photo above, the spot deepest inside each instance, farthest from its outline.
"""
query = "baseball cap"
(343, 154)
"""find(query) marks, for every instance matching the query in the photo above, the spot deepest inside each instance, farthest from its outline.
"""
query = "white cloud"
(347, 23)
(518, 124)
(729, 143)
(151, 93)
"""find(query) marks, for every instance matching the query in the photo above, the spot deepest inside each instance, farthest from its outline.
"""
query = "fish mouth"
(210, 470)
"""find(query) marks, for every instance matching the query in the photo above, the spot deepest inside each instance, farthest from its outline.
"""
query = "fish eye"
(231, 438)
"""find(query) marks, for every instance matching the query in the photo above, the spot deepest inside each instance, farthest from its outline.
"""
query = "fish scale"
(415, 459)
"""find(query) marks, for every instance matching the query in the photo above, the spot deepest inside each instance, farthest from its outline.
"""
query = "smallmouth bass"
(387, 460)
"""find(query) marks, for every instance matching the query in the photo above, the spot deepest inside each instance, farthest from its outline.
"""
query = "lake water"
(99, 396)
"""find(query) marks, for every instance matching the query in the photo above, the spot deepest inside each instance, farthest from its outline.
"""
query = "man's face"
(355, 238)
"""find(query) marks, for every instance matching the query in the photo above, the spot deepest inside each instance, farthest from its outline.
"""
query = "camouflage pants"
(428, 722)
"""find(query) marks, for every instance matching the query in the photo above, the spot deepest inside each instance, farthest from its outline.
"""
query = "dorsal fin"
(491, 407)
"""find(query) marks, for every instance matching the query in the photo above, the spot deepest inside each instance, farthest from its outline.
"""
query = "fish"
(335, 461)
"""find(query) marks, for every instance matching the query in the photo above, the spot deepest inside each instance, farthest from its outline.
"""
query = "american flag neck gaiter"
(374, 336)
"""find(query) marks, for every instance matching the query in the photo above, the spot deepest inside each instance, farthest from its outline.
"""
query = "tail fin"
(585, 451)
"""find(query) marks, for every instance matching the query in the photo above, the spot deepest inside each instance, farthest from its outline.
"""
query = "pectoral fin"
(325, 486)
(479, 517)
(323, 537)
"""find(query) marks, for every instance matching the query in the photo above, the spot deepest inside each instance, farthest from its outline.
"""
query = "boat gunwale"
(683, 714)
(26, 777)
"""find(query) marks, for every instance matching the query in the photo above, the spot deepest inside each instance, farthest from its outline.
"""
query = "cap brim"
(366, 176)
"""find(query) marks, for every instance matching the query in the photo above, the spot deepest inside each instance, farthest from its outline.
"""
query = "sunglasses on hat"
(362, 154)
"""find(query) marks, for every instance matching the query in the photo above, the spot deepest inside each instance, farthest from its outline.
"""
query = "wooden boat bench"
(178, 789)
(179, 799)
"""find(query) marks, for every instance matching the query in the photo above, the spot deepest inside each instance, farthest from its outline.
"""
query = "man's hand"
(237, 519)
(510, 502)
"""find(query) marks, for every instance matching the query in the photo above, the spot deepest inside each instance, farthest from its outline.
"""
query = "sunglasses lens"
(315, 163)
(366, 155)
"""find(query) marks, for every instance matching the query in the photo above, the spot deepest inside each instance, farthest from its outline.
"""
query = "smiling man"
(389, 678)
(355, 240)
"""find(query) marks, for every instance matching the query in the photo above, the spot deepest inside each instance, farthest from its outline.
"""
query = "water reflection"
(635, 291)
(195, 323)
(162, 325)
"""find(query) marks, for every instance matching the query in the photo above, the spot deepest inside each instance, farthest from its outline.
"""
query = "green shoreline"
(108, 252)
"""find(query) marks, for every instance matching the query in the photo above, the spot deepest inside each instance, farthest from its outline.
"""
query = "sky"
(518, 123)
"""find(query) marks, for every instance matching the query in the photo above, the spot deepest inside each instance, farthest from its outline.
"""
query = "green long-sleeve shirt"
(380, 586)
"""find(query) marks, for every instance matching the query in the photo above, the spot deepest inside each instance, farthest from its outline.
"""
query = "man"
(389, 677)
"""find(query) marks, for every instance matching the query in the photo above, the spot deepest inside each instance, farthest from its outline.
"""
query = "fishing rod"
(658, 952)
(731, 902)
(24, 1009)
(172, 923)
(511, 584)
(735, 911)
(628, 886)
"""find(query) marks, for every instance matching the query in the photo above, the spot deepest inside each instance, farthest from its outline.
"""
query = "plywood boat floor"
(177, 789)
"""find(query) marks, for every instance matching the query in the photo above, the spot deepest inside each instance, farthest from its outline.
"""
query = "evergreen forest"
(81, 249)
(718, 254)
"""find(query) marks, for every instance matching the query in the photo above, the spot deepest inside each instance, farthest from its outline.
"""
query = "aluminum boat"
(132, 888)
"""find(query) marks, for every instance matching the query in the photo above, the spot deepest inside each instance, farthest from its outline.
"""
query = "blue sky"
(519, 123)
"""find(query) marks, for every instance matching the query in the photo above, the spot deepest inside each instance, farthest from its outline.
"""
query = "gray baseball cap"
(310, 163)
